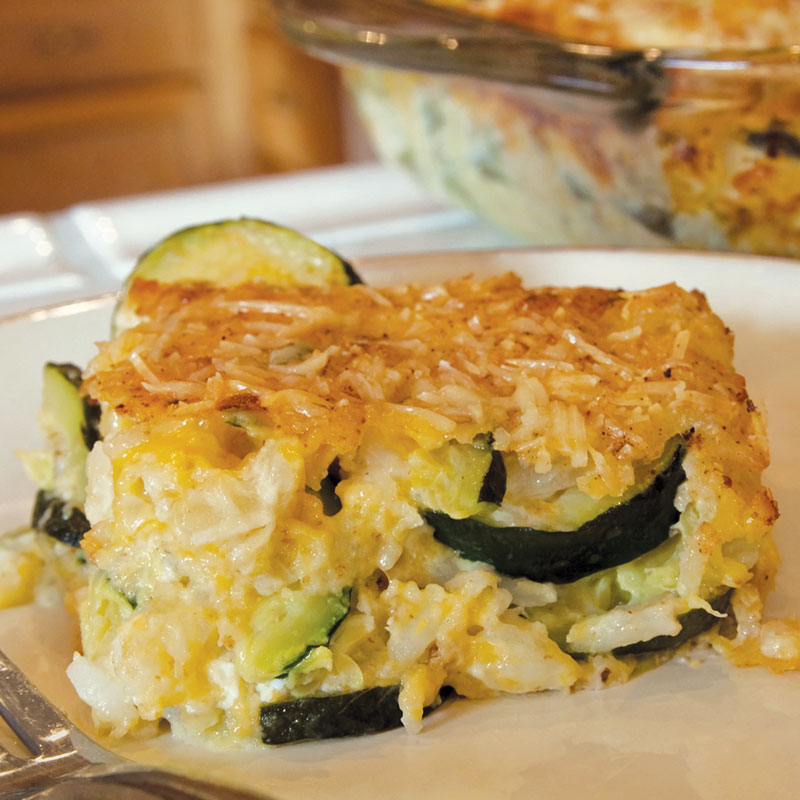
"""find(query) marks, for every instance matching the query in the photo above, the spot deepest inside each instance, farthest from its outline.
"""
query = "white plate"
(32, 270)
(685, 732)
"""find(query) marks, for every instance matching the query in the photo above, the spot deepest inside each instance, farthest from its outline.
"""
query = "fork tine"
(37, 723)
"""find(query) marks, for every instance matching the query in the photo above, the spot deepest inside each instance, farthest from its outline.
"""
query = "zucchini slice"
(71, 373)
(286, 626)
(231, 252)
(70, 423)
(620, 534)
(59, 519)
(493, 488)
(458, 479)
(353, 714)
(370, 710)
(331, 503)
(693, 623)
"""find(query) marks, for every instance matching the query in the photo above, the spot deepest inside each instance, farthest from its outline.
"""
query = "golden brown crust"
(593, 378)
(708, 24)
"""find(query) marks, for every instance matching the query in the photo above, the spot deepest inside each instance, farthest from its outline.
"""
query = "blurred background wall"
(102, 98)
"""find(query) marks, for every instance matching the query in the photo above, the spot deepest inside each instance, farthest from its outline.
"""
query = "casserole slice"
(316, 510)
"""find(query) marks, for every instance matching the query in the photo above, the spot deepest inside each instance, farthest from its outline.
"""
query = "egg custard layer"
(309, 500)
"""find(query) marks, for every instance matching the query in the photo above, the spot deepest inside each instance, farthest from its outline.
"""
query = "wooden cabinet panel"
(296, 104)
(112, 97)
(138, 142)
(50, 44)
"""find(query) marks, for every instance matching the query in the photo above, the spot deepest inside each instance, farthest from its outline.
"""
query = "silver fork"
(67, 765)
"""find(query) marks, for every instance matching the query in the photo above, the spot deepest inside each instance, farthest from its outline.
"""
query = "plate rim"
(68, 307)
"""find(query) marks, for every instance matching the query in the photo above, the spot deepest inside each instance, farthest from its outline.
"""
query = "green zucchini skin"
(78, 419)
(331, 504)
(493, 489)
(615, 537)
(90, 426)
(334, 716)
(70, 371)
(366, 711)
(693, 623)
(349, 270)
(59, 519)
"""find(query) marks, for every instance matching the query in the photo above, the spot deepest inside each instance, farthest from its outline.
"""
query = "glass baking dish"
(569, 143)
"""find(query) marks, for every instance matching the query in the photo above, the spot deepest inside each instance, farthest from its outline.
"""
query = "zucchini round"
(458, 479)
(331, 503)
(493, 488)
(616, 536)
(370, 710)
(286, 627)
(693, 623)
(71, 373)
(59, 519)
(231, 252)
(71, 423)
(367, 711)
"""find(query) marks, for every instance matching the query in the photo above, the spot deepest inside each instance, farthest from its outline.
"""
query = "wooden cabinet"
(111, 97)
(295, 101)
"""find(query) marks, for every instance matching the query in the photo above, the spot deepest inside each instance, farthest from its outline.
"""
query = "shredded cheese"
(582, 377)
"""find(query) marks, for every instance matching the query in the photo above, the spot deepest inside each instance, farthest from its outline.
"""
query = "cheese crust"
(708, 24)
(598, 379)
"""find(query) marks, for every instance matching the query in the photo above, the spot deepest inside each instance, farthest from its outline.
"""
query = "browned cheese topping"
(651, 23)
(591, 378)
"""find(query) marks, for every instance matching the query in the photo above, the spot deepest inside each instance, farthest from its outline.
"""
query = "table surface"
(358, 210)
